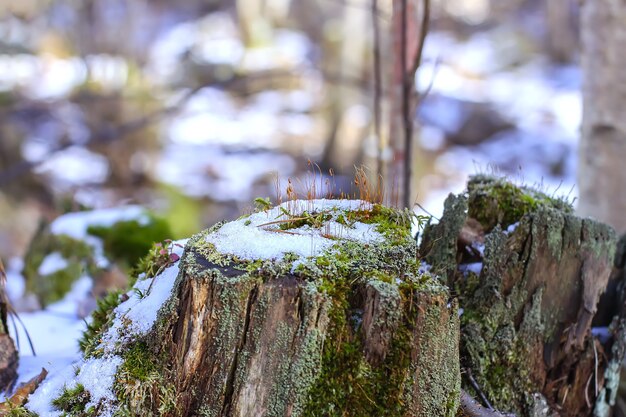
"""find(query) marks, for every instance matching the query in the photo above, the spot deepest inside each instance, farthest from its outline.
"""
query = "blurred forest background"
(192, 107)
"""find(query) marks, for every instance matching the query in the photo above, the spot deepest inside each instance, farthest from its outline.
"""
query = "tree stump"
(529, 275)
(8, 353)
(312, 308)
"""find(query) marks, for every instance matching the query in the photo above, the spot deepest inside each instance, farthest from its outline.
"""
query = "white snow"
(52, 263)
(259, 236)
(475, 267)
(136, 316)
(95, 374)
(512, 228)
(75, 225)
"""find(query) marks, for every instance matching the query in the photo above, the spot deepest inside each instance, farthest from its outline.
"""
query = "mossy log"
(529, 275)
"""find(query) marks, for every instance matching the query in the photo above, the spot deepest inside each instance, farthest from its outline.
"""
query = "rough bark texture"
(603, 143)
(8, 353)
(359, 332)
(529, 284)
(242, 347)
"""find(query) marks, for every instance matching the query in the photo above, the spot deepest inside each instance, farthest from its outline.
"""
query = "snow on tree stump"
(312, 308)
(529, 275)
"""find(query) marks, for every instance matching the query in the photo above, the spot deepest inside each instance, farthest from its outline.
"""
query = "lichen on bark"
(357, 330)
(527, 313)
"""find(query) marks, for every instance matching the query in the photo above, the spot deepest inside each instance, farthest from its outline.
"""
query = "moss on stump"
(348, 327)
(529, 280)
(353, 331)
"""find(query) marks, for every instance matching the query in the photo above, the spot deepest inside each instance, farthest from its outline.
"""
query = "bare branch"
(472, 408)
(377, 89)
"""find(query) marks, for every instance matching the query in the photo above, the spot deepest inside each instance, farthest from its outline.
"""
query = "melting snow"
(136, 316)
(75, 225)
(52, 263)
(259, 236)
(95, 374)
(475, 267)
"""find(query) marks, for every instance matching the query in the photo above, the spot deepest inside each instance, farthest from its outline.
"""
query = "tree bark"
(244, 347)
(603, 143)
(8, 353)
(529, 275)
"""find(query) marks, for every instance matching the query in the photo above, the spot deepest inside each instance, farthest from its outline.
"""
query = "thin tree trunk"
(601, 176)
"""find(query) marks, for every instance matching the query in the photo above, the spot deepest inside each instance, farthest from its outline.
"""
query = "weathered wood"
(8, 362)
(353, 328)
(8, 353)
(271, 343)
(528, 296)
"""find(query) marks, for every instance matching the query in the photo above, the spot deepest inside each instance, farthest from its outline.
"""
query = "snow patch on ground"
(52, 263)
(95, 374)
(133, 318)
(76, 225)
(259, 236)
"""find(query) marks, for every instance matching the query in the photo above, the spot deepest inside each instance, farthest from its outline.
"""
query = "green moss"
(73, 401)
(139, 363)
(53, 287)
(344, 385)
(18, 411)
(141, 385)
(495, 201)
(392, 223)
(159, 256)
(102, 318)
(128, 241)
(348, 385)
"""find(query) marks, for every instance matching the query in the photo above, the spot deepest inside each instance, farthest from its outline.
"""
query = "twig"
(595, 370)
(426, 211)
(377, 89)
(10, 310)
(472, 408)
(408, 90)
(423, 33)
(407, 120)
(474, 384)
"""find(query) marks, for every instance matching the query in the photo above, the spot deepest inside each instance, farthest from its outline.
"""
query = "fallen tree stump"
(529, 275)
